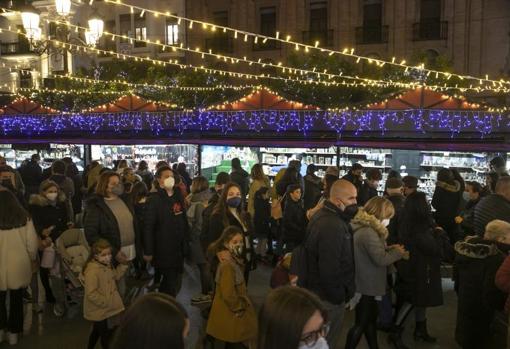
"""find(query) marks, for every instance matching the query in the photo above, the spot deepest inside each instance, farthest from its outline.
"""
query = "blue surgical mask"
(234, 202)
(320, 344)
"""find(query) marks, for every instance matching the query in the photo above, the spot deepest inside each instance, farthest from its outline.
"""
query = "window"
(372, 13)
(108, 43)
(268, 21)
(318, 16)
(140, 30)
(430, 10)
(25, 79)
(125, 27)
(172, 32)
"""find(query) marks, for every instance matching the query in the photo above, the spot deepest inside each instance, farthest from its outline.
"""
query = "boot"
(421, 333)
(395, 338)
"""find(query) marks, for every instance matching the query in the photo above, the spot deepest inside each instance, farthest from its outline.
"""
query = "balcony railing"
(15, 48)
(324, 37)
(267, 46)
(430, 30)
(220, 44)
(372, 35)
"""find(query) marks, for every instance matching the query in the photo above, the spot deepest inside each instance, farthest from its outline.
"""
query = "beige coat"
(232, 318)
(102, 299)
(18, 249)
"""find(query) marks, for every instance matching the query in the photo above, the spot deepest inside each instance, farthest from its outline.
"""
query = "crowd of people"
(333, 244)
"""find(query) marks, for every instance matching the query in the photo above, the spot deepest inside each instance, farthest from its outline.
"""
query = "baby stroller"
(72, 252)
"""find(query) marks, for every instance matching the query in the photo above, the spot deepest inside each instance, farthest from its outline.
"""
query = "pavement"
(47, 331)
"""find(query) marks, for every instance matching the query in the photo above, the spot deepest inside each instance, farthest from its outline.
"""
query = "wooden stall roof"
(131, 103)
(26, 106)
(423, 98)
(264, 99)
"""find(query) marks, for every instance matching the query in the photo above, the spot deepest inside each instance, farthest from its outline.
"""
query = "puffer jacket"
(371, 255)
(477, 261)
(491, 207)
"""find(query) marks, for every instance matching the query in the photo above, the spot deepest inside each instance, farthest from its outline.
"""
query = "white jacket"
(18, 248)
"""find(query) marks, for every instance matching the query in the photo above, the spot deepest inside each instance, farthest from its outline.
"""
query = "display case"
(172, 153)
(216, 159)
(15, 154)
(274, 159)
(471, 166)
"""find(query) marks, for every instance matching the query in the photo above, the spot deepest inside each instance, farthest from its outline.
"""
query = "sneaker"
(201, 299)
(58, 310)
(12, 338)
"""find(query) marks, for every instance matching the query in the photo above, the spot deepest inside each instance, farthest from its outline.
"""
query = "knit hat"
(394, 183)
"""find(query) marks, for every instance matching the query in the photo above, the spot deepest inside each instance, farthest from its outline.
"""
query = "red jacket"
(503, 281)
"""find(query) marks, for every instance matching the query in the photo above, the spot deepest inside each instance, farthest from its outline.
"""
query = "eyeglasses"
(311, 338)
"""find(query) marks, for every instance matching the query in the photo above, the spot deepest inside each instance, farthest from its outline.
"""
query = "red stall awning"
(131, 103)
(26, 106)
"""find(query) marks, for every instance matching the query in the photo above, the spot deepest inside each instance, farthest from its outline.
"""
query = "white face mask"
(169, 183)
(52, 196)
(320, 344)
(385, 222)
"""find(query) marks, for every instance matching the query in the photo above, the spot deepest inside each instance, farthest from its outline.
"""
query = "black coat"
(354, 180)
(467, 226)
(46, 215)
(330, 255)
(262, 218)
(446, 201)
(398, 202)
(489, 208)
(166, 232)
(477, 261)
(99, 222)
(31, 174)
(206, 237)
(365, 193)
(242, 178)
(294, 222)
(313, 191)
(419, 278)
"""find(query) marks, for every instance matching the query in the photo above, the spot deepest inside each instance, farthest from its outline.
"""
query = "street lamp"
(96, 25)
(30, 18)
(63, 7)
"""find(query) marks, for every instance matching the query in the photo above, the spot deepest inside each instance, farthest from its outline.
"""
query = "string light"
(288, 40)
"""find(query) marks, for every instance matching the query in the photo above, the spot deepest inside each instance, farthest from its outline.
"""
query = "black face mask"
(351, 210)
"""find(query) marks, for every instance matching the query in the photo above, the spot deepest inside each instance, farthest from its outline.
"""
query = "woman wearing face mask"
(49, 211)
(229, 211)
(166, 231)
(108, 215)
(292, 318)
(232, 320)
(155, 321)
(371, 259)
(102, 301)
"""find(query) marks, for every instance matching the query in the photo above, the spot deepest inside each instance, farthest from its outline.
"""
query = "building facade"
(30, 64)
(472, 34)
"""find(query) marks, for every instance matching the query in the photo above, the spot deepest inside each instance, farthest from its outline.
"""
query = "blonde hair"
(380, 207)
(496, 229)
(199, 184)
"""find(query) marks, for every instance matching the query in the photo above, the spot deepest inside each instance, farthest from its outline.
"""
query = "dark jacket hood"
(42, 201)
(454, 188)
(479, 248)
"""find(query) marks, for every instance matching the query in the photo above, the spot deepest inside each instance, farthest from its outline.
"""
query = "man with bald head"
(494, 206)
(330, 255)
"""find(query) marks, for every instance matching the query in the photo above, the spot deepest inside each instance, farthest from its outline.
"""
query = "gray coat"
(371, 256)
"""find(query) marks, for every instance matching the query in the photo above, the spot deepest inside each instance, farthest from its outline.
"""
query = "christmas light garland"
(175, 123)
(345, 52)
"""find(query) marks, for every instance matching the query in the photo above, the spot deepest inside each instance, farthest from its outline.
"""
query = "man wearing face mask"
(166, 231)
(369, 188)
(329, 250)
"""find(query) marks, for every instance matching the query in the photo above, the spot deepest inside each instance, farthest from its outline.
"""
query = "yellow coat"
(102, 299)
(232, 318)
